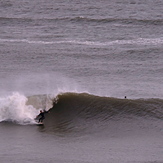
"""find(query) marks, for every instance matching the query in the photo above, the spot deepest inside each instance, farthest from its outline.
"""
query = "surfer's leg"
(39, 120)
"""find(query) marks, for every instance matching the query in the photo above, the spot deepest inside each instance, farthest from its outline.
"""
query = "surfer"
(42, 116)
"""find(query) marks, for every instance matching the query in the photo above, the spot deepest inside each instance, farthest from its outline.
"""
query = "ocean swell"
(82, 111)
(90, 106)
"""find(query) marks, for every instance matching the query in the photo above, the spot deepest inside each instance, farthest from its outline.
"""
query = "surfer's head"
(40, 111)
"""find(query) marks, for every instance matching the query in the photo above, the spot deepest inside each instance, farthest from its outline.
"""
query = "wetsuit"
(42, 116)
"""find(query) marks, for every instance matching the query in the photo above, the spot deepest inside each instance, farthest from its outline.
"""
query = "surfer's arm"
(46, 111)
(38, 115)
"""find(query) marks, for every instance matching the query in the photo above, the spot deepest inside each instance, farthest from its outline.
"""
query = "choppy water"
(81, 58)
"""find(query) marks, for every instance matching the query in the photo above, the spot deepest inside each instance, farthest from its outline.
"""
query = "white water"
(139, 41)
(14, 108)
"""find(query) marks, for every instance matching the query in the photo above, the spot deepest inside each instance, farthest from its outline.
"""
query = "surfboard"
(39, 124)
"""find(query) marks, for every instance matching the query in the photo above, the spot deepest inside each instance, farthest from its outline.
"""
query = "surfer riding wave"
(41, 116)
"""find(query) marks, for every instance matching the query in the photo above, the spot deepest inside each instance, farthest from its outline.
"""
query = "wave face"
(90, 106)
(85, 111)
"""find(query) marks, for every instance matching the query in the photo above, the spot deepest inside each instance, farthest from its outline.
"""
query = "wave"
(86, 19)
(90, 106)
(68, 110)
(118, 20)
(85, 112)
(139, 41)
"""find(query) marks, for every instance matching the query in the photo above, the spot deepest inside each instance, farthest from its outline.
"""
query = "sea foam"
(13, 108)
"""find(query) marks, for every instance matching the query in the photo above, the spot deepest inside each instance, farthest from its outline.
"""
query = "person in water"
(42, 116)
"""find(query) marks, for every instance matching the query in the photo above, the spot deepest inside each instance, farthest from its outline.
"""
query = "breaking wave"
(69, 111)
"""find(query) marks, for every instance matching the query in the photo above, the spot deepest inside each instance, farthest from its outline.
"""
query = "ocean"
(96, 66)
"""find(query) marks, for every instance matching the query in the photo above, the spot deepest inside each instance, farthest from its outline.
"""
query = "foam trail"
(13, 108)
(138, 41)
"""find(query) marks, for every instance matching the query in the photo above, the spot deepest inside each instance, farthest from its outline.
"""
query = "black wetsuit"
(42, 116)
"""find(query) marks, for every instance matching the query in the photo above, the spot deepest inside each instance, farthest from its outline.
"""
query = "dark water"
(81, 58)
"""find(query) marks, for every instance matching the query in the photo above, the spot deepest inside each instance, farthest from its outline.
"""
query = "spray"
(13, 108)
